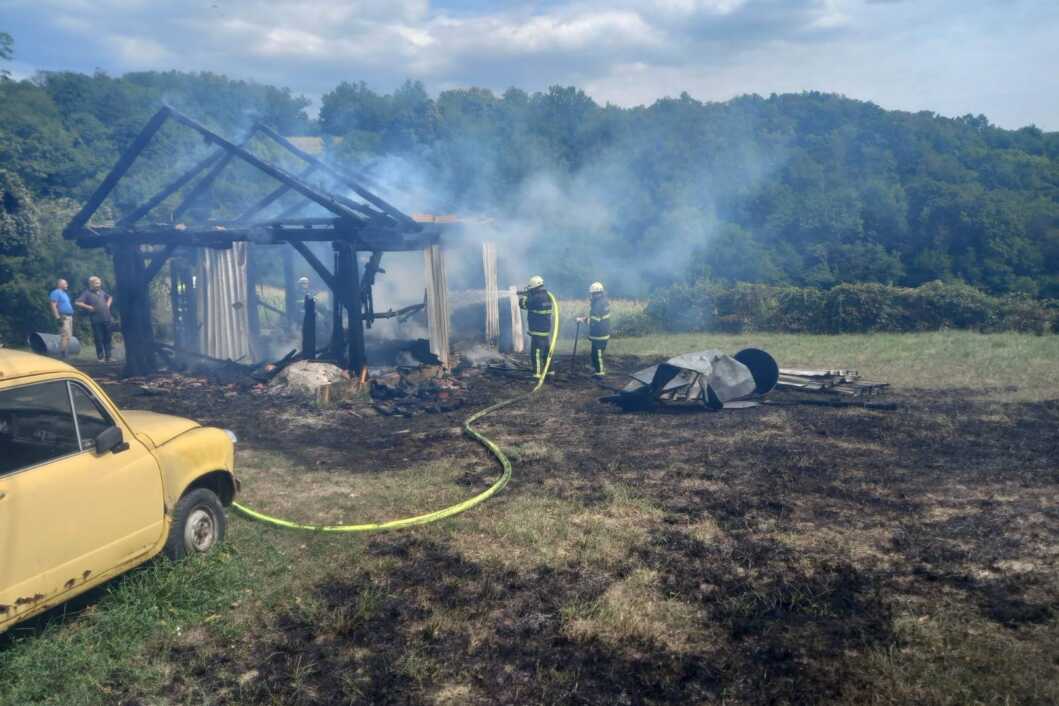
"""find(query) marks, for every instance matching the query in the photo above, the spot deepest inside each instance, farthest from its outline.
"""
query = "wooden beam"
(272, 197)
(158, 261)
(290, 295)
(253, 316)
(325, 200)
(207, 181)
(362, 238)
(357, 354)
(338, 335)
(77, 224)
(314, 262)
(340, 176)
(134, 301)
(173, 186)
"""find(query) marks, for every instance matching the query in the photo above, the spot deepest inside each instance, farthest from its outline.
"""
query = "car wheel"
(198, 525)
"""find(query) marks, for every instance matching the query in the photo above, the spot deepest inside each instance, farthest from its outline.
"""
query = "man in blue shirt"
(63, 311)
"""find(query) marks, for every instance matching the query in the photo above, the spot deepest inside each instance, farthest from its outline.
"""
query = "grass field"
(777, 555)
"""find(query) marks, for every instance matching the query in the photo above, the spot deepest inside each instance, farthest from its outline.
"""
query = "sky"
(953, 57)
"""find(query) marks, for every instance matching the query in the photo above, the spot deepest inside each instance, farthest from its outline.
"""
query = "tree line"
(807, 190)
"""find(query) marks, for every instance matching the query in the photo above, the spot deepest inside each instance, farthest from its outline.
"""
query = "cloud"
(946, 56)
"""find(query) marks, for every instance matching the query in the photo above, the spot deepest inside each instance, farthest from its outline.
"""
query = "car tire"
(199, 525)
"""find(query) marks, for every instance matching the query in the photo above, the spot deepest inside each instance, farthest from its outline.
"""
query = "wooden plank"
(437, 302)
(518, 337)
(492, 303)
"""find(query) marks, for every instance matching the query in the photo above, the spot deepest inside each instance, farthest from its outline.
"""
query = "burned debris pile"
(716, 381)
(407, 392)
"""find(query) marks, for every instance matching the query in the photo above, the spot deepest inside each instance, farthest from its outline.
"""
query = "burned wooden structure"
(356, 220)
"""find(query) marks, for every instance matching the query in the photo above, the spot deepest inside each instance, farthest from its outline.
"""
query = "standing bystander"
(97, 303)
(63, 312)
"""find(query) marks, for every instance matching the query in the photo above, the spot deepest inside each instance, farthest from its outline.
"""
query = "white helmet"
(596, 288)
(536, 281)
(303, 280)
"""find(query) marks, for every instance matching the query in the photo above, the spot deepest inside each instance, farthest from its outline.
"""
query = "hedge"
(847, 308)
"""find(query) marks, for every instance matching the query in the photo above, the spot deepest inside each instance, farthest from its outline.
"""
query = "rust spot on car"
(4, 609)
(69, 584)
(29, 600)
(86, 574)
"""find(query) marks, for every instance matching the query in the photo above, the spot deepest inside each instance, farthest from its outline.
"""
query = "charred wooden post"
(253, 314)
(351, 283)
(309, 329)
(367, 287)
(184, 303)
(134, 301)
(290, 294)
(338, 339)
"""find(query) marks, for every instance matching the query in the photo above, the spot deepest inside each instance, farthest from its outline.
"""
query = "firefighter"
(538, 306)
(598, 326)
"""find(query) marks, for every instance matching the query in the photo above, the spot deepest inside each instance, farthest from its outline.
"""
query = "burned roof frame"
(368, 224)
(141, 250)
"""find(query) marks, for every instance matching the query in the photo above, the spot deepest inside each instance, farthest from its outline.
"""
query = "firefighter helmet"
(536, 281)
(596, 288)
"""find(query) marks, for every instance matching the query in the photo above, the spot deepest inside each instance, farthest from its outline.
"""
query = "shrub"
(799, 310)
(863, 308)
(847, 308)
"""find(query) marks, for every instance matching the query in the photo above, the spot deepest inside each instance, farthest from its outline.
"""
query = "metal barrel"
(48, 344)
(762, 366)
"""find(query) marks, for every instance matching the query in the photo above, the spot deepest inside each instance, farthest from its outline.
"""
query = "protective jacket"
(599, 319)
(538, 306)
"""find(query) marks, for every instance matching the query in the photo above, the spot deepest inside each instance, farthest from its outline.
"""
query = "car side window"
(36, 425)
(91, 418)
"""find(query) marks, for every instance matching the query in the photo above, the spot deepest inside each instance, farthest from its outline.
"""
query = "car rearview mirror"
(110, 439)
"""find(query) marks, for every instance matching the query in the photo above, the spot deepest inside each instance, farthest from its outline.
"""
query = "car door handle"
(3, 495)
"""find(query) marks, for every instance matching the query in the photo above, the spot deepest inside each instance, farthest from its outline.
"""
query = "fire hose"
(427, 518)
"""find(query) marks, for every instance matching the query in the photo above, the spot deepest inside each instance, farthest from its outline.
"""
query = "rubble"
(407, 392)
(308, 378)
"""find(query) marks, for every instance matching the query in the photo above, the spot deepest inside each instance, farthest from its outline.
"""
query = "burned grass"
(776, 555)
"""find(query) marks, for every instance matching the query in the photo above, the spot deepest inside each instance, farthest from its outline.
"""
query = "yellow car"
(88, 491)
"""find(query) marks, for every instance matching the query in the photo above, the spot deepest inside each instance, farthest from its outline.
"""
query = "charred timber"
(329, 230)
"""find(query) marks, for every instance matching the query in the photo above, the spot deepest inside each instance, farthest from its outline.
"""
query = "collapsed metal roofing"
(709, 377)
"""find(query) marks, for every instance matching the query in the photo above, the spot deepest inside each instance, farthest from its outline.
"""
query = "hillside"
(804, 189)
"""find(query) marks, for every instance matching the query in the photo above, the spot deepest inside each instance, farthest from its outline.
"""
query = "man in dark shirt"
(96, 303)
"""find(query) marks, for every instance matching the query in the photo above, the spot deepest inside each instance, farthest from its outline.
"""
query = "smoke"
(617, 216)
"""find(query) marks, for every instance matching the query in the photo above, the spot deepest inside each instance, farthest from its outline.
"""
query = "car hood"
(159, 428)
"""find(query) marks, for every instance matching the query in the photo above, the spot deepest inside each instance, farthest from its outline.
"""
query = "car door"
(67, 513)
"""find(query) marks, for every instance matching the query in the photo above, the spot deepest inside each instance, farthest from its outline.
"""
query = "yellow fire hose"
(456, 509)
